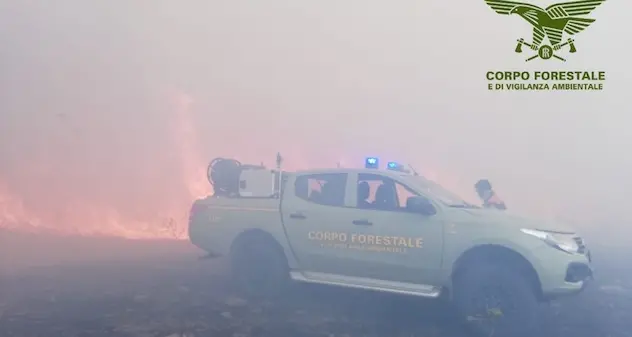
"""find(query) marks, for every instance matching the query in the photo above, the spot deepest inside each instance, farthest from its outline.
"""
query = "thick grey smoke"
(87, 112)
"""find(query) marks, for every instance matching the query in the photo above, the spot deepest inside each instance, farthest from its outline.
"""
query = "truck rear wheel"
(496, 301)
(259, 267)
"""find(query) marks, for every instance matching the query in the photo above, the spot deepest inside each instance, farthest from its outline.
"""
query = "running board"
(402, 288)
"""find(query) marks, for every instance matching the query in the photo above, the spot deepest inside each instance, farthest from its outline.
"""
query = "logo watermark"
(550, 25)
(562, 80)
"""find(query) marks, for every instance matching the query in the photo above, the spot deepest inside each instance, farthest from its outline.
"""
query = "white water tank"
(256, 183)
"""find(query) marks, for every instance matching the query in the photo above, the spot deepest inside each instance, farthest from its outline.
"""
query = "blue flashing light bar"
(393, 166)
(372, 163)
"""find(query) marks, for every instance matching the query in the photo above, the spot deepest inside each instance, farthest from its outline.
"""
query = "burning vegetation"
(122, 176)
(36, 200)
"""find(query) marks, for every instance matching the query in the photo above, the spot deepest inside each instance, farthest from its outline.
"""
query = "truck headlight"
(562, 242)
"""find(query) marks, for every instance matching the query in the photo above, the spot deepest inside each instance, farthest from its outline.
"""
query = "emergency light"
(372, 163)
(393, 166)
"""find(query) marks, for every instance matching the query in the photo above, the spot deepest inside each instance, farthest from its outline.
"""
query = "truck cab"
(365, 227)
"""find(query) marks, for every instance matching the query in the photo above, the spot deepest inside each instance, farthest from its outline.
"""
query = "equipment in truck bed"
(230, 178)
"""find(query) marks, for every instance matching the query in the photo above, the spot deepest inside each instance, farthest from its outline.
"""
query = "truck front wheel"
(496, 301)
(259, 267)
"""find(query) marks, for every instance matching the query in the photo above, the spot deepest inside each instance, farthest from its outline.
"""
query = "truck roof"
(352, 170)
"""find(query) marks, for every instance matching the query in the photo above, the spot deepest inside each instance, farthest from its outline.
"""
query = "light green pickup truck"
(394, 232)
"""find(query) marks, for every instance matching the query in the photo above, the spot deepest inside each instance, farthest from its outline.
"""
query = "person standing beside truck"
(488, 195)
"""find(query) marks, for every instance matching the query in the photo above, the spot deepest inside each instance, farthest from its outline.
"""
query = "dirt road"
(109, 287)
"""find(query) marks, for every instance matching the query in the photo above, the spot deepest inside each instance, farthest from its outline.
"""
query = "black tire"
(496, 301)
(259, 267)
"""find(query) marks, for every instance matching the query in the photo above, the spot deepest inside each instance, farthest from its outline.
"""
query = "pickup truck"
(399, 233)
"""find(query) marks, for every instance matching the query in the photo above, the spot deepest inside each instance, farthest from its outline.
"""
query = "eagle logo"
(551, 23)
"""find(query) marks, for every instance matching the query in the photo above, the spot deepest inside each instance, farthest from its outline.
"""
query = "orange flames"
(133, 210)
(76, 215)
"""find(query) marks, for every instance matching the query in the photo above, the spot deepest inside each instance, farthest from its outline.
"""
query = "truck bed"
(216, 221)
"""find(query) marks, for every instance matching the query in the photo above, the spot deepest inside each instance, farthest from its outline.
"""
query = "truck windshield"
(441, 193)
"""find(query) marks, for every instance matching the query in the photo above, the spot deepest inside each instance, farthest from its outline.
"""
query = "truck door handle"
(297, 215)
(362, 222)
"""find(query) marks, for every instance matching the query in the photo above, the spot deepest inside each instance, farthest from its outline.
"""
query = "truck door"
(315, 209)
(396, 245)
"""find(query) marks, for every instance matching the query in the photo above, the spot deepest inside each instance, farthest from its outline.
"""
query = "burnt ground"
(111, 287)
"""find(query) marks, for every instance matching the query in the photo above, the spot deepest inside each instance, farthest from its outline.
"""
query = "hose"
(223, 174)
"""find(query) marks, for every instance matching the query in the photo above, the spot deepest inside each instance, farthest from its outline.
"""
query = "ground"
(51, 286)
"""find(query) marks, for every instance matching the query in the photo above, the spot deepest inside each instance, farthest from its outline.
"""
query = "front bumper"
(578, 276)
(563, 274)
(578, 272)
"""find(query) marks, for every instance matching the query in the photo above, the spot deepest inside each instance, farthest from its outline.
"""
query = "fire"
(80, 215)
(185, 135)
(13, 214)
(48, 198)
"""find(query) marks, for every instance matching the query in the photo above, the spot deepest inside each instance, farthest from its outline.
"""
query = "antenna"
(413, 169)
(279, 160)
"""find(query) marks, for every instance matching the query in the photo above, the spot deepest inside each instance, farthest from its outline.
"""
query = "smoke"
(109, 111)
(119, 195)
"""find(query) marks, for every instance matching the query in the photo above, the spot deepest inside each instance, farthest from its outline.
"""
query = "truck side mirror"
(420, 205)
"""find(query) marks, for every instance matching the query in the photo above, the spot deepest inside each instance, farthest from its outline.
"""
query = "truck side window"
(383, 193)
(324, 189)
(403, 193)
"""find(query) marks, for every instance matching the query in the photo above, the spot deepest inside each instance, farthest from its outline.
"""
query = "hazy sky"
(88, 89)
